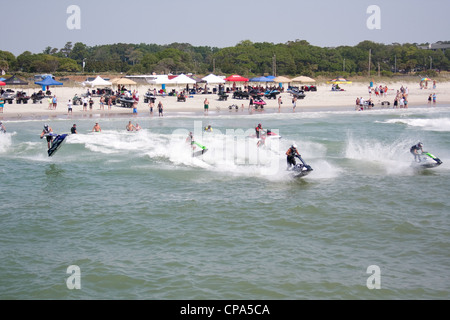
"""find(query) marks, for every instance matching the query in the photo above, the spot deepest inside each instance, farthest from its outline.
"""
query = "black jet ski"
(300, 169)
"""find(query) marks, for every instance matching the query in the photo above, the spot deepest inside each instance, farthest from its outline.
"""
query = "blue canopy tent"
(47, 82)
(260, 79)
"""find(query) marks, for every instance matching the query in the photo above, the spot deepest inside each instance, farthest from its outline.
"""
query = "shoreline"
(317, 101)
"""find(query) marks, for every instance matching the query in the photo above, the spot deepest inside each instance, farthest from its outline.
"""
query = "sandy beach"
(322, 99)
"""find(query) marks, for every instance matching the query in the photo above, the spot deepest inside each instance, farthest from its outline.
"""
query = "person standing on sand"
(85, 102)
(294, 103)
(160, 109)
(69, 107)
(50, 103)
(151, 105)
(280, 102)
(55, 102)
(206, 105)
(2, 104)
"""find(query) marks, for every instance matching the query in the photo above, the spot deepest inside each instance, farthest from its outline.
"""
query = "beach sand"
(324, 99)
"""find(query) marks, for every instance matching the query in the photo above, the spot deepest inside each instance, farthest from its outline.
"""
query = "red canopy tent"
(236, 78)
(2, 83)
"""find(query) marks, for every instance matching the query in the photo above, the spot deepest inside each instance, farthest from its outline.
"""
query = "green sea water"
(143, 219)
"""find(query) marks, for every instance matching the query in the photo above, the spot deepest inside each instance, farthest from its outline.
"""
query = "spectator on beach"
(50, 103)
(434, 98)
(160, 109)
(206, 105)
(280, 102)
(69, 107)
(151, 104)
(102, 103)
(54, 102)
(294, 103)
(2, 104)
(84, 102)
(91, 103)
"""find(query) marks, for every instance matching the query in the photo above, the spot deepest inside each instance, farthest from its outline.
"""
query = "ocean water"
(140, 218)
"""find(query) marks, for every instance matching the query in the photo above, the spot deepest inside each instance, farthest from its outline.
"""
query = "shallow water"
(143, 219)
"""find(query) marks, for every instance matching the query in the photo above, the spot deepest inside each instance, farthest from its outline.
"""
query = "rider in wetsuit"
(291, 153)
(47, 132)
(415, 151)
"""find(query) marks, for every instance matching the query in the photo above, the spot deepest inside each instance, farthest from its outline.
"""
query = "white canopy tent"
(182, 79)
(97, 82)
(158, 79)
(213, 79)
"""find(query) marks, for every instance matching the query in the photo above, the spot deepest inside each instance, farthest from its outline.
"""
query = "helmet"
(420, 144)
(45, 126)
(294, 146)
(259, 125)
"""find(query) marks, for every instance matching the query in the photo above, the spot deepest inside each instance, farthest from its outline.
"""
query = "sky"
(324, 23)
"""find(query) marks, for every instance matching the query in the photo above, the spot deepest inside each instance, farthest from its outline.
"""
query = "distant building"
(436, 46)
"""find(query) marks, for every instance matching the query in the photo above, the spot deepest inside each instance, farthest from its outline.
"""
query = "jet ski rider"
(46, 131)
(415, 151)
(258, 130)
(291, 153)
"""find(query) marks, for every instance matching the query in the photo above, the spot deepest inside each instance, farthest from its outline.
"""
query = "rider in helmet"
(415, 151)
(47, 132)
(258, 130)
(291, 153)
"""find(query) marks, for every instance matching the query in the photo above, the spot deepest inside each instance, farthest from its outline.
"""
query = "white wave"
(438, 124)
(6, 141)
(392, 157)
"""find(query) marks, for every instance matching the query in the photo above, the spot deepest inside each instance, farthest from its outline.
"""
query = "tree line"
(246, 58)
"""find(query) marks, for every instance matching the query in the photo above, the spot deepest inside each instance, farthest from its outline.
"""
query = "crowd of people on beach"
(400, 98)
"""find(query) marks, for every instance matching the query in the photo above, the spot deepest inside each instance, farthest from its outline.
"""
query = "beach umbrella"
(2, 83)
(303, 79)
(426, 79)
(281, 79)
(339, 81)
(123, 81)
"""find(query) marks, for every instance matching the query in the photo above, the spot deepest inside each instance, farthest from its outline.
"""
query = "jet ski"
(427, 161)
(269, 134)
(300, 169)
(57, 142)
